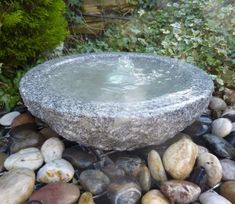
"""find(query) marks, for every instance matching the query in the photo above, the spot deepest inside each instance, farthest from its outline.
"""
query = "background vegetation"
(199, 31)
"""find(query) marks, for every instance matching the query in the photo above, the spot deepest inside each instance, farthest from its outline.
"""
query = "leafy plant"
(9, 95)
(73, 11)
(198, 31)
(28, 28)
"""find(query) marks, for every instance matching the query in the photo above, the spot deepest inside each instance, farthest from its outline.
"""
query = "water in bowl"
(116, 79)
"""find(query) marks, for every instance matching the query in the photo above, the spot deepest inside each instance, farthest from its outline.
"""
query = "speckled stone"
(179, 191)
(116, 125)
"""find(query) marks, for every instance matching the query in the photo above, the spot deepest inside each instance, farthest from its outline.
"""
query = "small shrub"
(29, 28)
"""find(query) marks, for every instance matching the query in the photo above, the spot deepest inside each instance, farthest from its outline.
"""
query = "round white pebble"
(7, 119)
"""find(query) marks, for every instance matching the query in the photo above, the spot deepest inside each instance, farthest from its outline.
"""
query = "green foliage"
(9, 95)
(28, 28)
(198, 31)
(73, 11)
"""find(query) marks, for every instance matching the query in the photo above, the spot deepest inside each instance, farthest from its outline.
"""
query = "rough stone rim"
(33, 91)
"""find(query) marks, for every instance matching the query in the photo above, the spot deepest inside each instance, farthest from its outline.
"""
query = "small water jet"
(116, 100)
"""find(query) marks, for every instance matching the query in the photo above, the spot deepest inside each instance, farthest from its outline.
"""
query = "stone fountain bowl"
(116, 101)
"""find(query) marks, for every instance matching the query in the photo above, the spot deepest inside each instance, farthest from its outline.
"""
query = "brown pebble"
(227, 189)
(154, 197)
(23, 118)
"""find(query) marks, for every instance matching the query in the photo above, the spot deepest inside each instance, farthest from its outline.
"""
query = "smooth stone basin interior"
(116, 100)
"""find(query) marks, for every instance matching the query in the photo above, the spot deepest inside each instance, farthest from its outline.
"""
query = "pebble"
(180, 157)
(179, 191)
(3, 131)
(16, 186)
(144, 178)
(30, 158)
(227, 190)
(7, 119)
(55, 171)
(52, 149)
(124, 191)
(230, 95)
(131, 165)
(3, 157)
(205, 119)
(48, 132)
(156, 167)
(94, 181)
(202, 149)
(24, 138)
(154, 197)
(4, 144)
(112, 171)
(78, 158)
(217, 104)
(219, 146)
(212, 166)
(86, 198)
(199, 177)
(57, 193)
(230, 114)
(211, 197)
(23, 118)
(221, 127)
(231, 138)
(20, 108)
(196, 129)
(228, 167)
